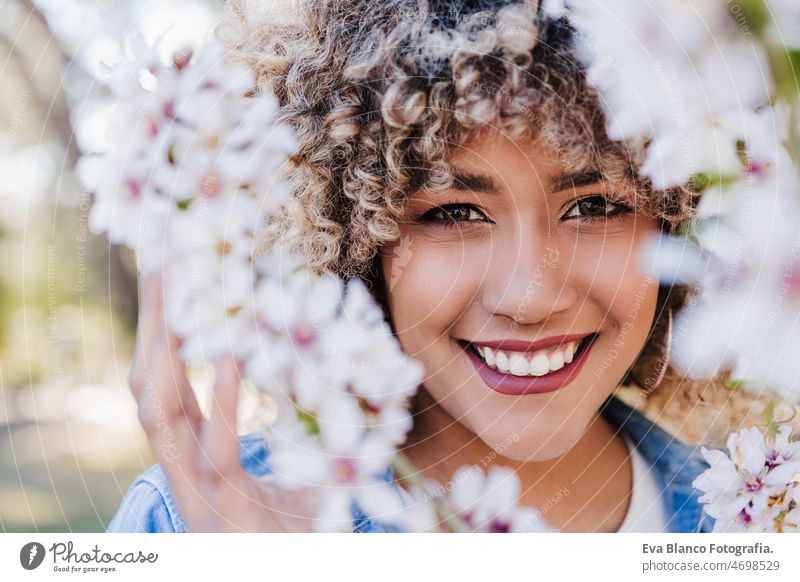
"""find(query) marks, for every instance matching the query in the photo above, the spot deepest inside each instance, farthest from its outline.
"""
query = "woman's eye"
(597, 206)
(452, 215)
(588, 208)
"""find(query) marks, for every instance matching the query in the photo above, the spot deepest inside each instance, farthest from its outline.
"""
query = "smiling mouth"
(537, 363)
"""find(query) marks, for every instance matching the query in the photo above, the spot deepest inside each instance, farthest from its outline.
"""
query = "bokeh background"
(70, 443)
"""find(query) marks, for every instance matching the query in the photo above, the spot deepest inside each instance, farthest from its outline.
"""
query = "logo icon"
(31, 555)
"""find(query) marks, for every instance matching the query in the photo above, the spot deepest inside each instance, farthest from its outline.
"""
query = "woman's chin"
(532, 445)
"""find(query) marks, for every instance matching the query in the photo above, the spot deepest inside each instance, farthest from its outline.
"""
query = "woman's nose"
(528, 281)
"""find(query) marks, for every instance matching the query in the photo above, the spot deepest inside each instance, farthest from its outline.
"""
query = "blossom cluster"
(754, 488)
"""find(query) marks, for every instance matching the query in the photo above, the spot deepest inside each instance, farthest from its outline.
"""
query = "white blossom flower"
(369, 359)
(357, 474)
(753, 487)
(139, 59)
(184, 131)
(417, 513)
(489, 502)
(124, 208)
(781, 515)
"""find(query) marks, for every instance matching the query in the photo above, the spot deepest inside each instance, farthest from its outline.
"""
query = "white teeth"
(501, 361)
(537, 363)
(556, 361)
(569, 352)
(540, 365)
(519, 365)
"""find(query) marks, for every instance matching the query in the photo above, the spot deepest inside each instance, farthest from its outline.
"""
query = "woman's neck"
(586, 489)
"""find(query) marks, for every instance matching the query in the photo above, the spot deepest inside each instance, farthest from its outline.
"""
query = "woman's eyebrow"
(465, 180)
(561, 182)
(469, 181)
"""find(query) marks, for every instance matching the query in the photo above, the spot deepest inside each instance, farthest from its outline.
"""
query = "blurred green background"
(70, 443)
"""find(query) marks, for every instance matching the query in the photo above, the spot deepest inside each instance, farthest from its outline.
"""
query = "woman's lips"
(519, 385)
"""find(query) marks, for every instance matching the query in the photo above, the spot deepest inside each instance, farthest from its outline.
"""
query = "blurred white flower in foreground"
(488, 502)
(674, 72)
(784, 28)
(744, 260)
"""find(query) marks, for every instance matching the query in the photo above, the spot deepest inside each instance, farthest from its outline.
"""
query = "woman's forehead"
(478, 163)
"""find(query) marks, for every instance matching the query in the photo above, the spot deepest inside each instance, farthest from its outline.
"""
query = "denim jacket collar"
(677, 465)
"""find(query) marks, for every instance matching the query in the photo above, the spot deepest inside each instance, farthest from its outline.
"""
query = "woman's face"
(521, 251)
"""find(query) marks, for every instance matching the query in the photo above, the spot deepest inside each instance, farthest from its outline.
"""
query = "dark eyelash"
(622, 208)
(427, 217)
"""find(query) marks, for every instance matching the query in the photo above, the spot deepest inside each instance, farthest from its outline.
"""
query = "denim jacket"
(148, 505)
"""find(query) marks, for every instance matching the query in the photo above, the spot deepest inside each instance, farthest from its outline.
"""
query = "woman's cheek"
(613, 280)
(427, 283)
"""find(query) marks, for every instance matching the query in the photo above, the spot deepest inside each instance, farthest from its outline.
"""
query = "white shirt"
(647, 512)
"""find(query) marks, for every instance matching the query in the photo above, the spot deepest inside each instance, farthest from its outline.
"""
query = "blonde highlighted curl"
(381, 93)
